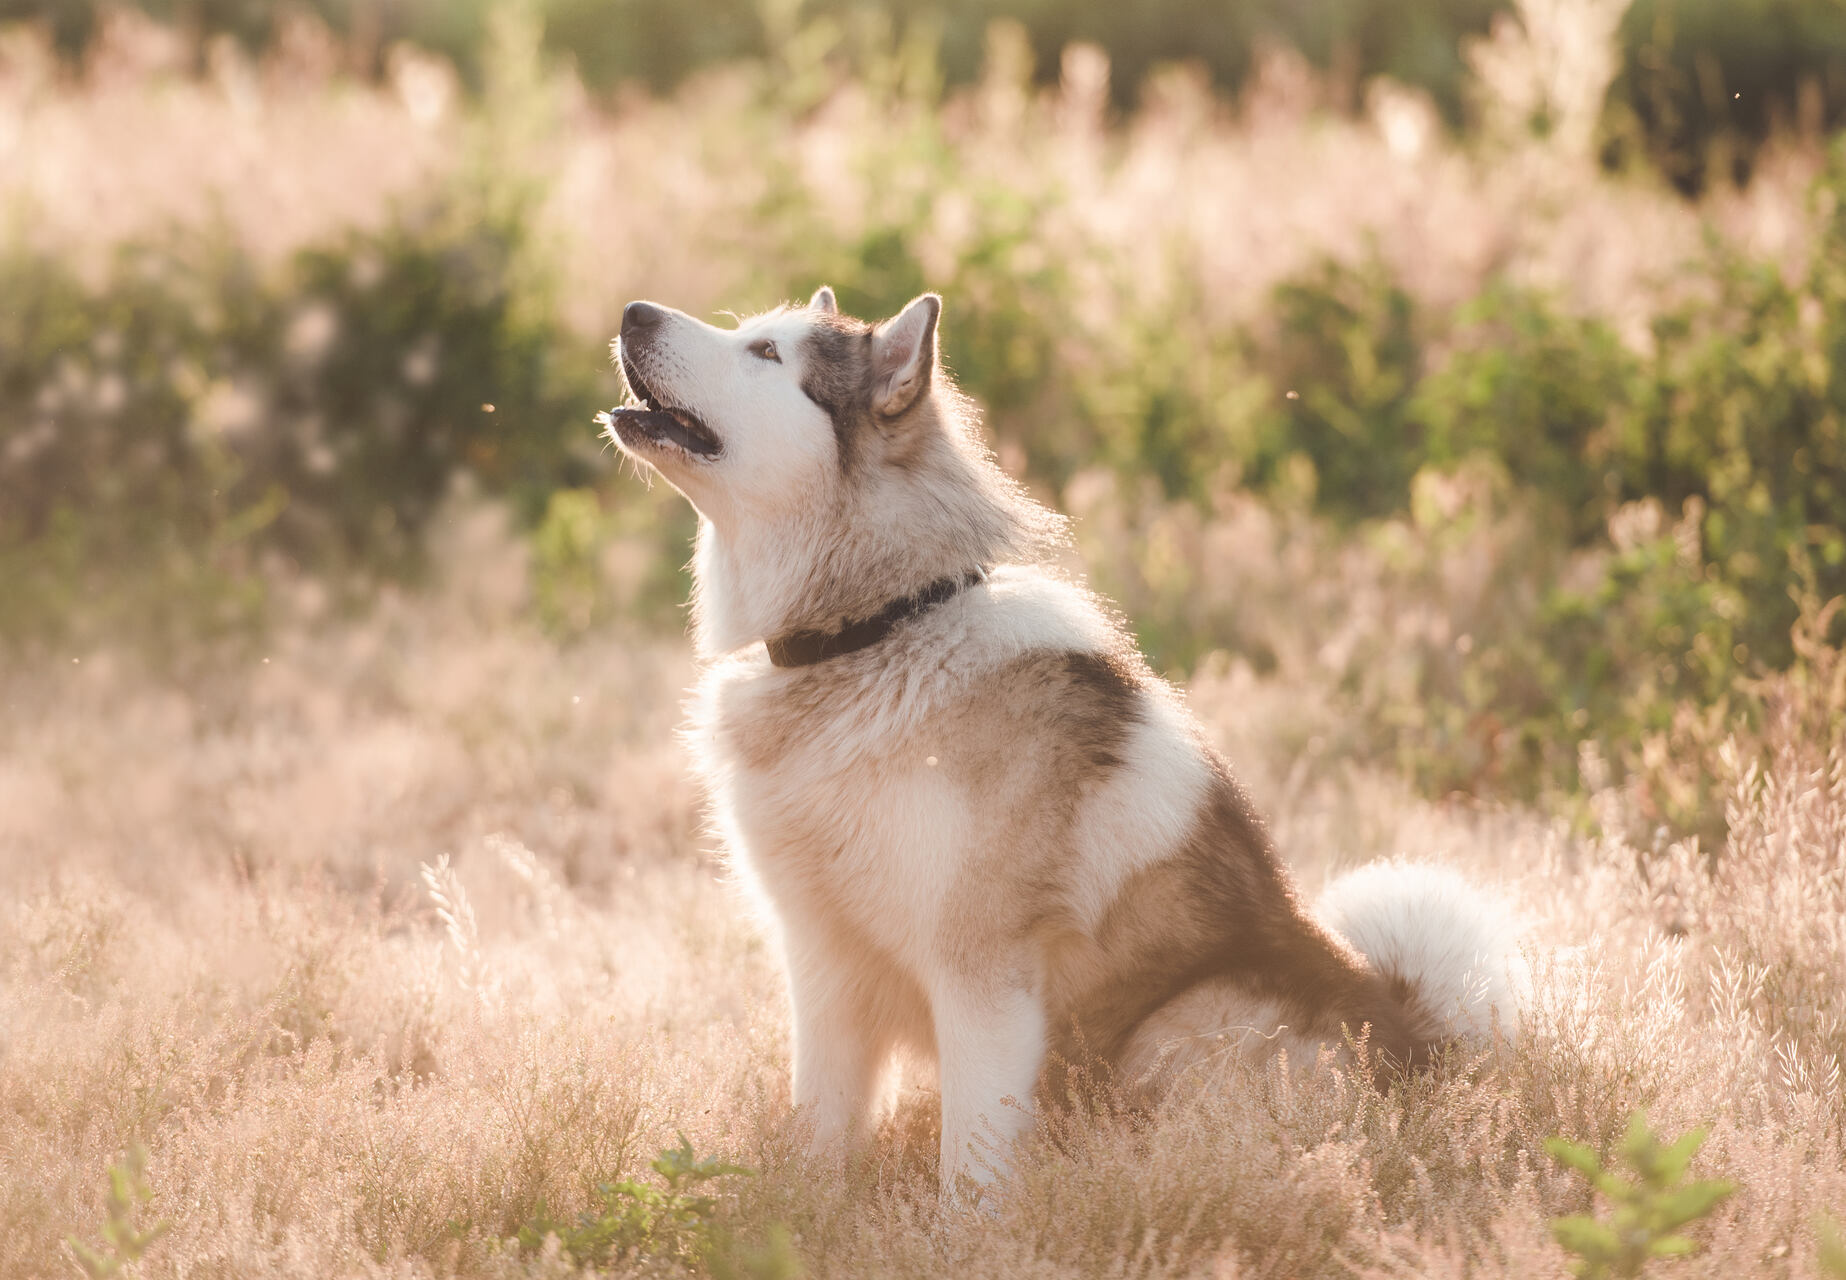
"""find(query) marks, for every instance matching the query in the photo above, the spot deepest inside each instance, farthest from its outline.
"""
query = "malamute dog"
(985, 829)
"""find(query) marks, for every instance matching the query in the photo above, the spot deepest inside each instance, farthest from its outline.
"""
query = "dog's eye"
(765, 350)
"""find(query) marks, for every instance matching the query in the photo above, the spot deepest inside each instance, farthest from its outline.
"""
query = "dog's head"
(834, 464)
(746, 421)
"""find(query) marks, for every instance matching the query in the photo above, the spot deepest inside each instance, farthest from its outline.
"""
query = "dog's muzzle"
(653, 422)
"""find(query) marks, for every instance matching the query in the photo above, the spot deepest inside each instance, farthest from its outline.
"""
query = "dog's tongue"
(661, 424)
(652, 421)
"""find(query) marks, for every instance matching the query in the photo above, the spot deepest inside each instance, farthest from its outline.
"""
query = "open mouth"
(659, 424)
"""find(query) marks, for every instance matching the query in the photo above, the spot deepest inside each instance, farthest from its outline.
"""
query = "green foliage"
(1346, 351)
(124, 1241)
(568, 588)
(195, 418)
(1534, 389)
(1832, 1248)
(1650, 1203)
(773, 1260)
(1195, 416)
(1680, 502)
(582, 531)
(1702, 80)
(630, 1218)
(430, 366)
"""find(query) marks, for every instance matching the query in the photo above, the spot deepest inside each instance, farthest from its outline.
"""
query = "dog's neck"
(804, 577)
(838, 563)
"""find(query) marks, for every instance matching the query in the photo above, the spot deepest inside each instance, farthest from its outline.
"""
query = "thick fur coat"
(993, 836)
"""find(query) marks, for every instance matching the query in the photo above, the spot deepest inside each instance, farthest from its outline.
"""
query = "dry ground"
(217, 943)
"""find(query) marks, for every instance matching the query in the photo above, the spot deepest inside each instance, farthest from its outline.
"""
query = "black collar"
(805, 648)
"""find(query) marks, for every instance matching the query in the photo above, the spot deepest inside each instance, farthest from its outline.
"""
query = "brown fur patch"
(1064, 719)
(1223, 907)
(1093, 700)
(1030, 739)
(1084, 702)
(839, 374)
(836, 374)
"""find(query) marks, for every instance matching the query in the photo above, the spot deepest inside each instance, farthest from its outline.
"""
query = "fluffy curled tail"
(1449, 948)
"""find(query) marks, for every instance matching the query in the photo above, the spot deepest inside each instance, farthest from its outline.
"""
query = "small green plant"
(630, 1218)
(1832, 1248)
(123, 1240)
(568, 591)
(1650, 1206)
(773, 1260)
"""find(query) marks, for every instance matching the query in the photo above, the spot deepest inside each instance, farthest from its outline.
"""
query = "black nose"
(639, 317)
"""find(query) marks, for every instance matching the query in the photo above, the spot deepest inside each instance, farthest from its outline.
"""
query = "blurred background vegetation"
(1478, 365)
(1696, 76)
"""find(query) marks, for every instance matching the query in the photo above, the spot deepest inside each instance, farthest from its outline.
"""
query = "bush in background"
(195, 417)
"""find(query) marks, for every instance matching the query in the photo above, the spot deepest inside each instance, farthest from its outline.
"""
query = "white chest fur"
(833, 786)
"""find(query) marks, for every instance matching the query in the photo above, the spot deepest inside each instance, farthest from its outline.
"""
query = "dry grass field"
(388, 941)
(383, 938)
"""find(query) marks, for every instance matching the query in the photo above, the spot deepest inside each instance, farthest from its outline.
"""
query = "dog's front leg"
(990, 1045)
(838, 1054)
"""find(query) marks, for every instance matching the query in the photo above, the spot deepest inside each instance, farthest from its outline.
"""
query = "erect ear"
(904, 356)
(823, 301)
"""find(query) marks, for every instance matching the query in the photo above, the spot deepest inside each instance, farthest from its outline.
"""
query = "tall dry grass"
(386, 936)
(383, 936)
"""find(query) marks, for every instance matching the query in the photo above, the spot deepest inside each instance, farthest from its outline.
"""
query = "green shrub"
(603, 553)
(1704, 80)
(430, 366)
(1650, 1204)
(124, 1239)
(194, 418)
(568, 588)
(1743, 410)
(1682, 502)
(110, 453)
(1538, 391)
(629, 1218)
(1346, 351)
(1832, 1248)
(1195, 415)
